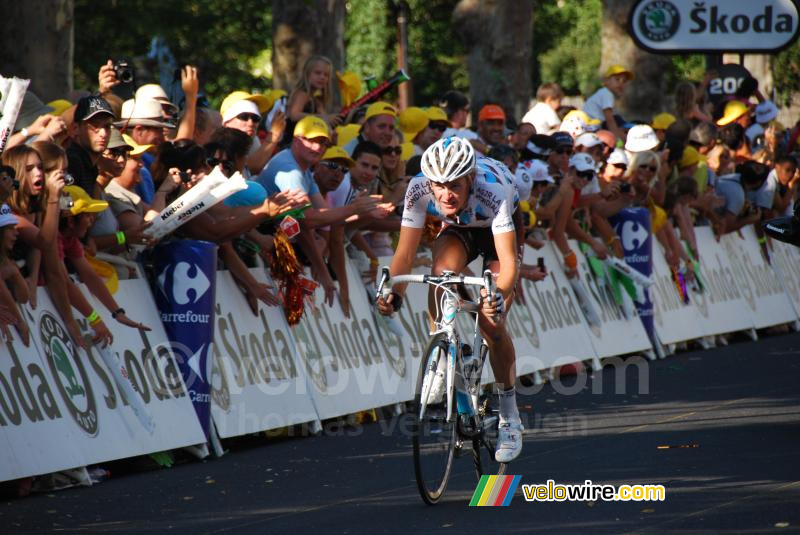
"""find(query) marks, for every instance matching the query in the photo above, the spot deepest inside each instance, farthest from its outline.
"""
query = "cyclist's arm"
(406, 252)
(506, 246)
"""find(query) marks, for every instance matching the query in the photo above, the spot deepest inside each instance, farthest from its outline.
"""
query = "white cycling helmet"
(448, 159)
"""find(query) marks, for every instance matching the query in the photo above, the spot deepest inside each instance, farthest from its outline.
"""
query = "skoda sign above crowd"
(669, 26)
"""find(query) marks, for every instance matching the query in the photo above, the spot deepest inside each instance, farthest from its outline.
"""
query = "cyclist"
(475, 198)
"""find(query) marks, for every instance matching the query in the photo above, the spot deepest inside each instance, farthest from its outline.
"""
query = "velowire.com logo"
(495, 490)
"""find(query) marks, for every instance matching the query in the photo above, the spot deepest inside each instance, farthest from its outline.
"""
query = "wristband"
(612, 240)
(762, 240)
(397, 301)
(120, 238)
(25, 133)
(93, 318)
(571, 260)
(117, 312)
(373, 262)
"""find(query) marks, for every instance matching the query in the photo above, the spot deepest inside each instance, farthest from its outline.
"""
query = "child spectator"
(600, 105)
(543, 114)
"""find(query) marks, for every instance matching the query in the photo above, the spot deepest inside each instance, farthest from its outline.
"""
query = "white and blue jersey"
(492, 200)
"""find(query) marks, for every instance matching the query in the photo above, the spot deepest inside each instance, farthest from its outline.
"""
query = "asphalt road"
(736, 411)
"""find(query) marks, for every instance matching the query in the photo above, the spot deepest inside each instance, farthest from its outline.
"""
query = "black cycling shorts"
(477, 242)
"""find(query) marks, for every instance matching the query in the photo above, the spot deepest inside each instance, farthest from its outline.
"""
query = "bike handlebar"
(386, 281)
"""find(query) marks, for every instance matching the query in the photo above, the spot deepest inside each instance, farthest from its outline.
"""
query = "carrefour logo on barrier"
(69, 373)
(670, 26)
(634, 235)
(184, 284)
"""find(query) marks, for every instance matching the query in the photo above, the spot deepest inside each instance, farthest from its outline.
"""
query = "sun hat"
(641, 137)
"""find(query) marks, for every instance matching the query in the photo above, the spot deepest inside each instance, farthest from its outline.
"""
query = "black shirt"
(80, 166)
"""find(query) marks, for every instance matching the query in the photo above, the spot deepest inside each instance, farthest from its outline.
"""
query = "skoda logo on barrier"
(69, 373)
(659, 20)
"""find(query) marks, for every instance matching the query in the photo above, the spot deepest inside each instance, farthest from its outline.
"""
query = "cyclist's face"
(452, 197)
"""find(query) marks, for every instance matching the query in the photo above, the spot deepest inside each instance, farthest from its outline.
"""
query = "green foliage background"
(231, 43)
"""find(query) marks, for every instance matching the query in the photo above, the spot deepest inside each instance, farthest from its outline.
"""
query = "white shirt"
(543, 117)
(602, 99)
(465, 133)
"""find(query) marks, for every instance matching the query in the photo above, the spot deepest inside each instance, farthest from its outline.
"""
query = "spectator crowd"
(84, 178)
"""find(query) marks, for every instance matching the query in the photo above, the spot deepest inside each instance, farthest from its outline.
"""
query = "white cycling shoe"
(509, 440)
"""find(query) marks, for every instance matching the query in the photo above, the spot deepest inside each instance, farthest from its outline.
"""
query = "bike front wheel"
(433, 433)
(484, 441)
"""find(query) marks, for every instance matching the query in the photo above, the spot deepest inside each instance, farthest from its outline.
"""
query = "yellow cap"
(412, 121)
(380, 108)
(137, 149)
(350, 86)
(437, 114)
(260, 100)
(335, 152)
(690, 157)
(82, 203)
(580, 115)
(346, 133)
(733, 110)
(311, 127)
(662, 121)
(618, 69)
(59, 106)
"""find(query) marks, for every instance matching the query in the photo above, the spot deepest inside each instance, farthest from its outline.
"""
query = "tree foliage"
(220, 37)
(369, 38)
(566, 37)
(786, 73)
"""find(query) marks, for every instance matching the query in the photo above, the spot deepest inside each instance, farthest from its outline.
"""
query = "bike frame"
(447, 306)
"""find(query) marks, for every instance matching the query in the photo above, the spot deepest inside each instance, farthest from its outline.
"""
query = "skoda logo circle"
(659, 20)
(69, 374)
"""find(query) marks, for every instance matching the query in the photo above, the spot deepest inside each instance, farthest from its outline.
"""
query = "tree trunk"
(498, 36)
(36, 43)
(645, 96)
(302, 29)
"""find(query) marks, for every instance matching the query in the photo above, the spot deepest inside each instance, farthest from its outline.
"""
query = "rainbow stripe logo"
(495, 490)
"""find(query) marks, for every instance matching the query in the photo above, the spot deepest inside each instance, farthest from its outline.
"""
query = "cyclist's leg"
(450, 253)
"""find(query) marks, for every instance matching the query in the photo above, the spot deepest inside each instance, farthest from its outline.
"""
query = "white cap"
(536, 149)
(766, 111)
(641, 137)
(540, 172)
(6, 217)
(146, 112)
(582, 162)
(154, 92)
(618, 156)
(588, 140)
(240, 106)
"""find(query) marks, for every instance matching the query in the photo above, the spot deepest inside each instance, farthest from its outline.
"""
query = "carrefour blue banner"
(185, 273)
(633, 228)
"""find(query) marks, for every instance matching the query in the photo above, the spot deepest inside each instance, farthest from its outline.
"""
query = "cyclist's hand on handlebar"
(385, 305)
(492, 308)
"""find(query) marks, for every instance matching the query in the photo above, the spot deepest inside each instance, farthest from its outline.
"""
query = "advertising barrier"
(265, 375)
(60, 407)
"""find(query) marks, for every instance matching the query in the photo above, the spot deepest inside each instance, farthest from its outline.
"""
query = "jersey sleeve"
(503, 220)
(418, 195)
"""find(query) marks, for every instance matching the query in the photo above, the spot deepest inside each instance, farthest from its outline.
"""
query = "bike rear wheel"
(434, 438)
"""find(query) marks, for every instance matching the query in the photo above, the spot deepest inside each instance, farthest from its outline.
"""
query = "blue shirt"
(145, 189)
(284, 173)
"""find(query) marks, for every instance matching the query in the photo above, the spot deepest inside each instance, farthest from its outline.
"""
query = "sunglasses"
(227, 165)
(333, 166)
(244, 117)
(620, 166)
(563, 150)
(441, 127)
(119, 153)
(393, 150)
(586, 175)
(652, 168)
